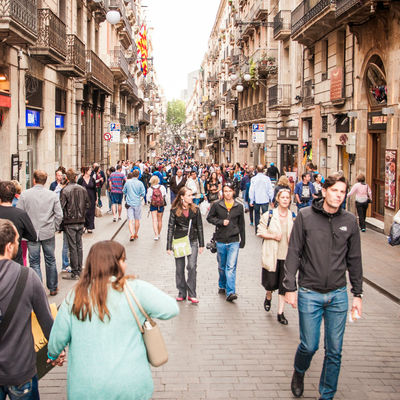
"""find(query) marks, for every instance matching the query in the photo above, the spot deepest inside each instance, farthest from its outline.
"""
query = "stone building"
(66, 74)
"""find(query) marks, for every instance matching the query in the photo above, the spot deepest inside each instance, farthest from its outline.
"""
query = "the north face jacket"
(322, 248)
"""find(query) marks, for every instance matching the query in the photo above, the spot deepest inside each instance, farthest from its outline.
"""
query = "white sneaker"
(156, 237)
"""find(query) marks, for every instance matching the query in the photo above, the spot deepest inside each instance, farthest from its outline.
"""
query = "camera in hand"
(212, 246)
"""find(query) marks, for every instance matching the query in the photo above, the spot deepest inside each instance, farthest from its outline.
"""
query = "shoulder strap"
(127, 289)
(16, 297)
(269, 217)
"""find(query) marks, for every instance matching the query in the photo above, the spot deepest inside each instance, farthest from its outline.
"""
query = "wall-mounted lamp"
(239, 88)
(233, 77)
(3, 77)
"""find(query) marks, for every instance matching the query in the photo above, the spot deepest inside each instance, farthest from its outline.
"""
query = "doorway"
(378, 145)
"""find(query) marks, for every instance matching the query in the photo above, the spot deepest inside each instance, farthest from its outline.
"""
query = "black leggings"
(362, 213)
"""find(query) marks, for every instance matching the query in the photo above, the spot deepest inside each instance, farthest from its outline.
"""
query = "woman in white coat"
(275, 228)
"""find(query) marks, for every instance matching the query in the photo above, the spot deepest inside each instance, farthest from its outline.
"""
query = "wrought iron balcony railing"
(282, 24)
(343, 6)
(308, 93)
(308, 10)
(75, 62)
(52, 36)
(119, 64)
(144, 117)
(122, 118)
(98, 73)
(279, 96)
(18, 21)
(129, 87)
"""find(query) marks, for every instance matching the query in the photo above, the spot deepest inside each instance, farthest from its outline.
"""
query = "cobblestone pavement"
(238, 351)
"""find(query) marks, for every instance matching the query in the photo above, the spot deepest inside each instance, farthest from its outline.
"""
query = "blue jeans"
(314, 306)
(173, 196)
(303, 205)
(227, 255)
(65, 258)
(27, 391)
(48, 246)
(259, 209)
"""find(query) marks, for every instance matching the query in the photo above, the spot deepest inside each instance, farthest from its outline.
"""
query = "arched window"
(376, 82)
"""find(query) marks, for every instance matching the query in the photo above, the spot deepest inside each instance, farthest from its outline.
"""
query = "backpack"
(157, 199)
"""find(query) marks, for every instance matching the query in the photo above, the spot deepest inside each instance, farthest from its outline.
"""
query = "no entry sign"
(107, 136)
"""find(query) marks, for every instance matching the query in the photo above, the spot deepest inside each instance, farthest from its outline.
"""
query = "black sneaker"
(297, 385)
(221, 291)
(231, 297)
(71, 277)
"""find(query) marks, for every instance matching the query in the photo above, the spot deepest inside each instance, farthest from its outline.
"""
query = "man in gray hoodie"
(17, 354)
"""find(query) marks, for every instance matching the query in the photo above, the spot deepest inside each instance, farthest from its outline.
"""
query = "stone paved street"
(238, 351)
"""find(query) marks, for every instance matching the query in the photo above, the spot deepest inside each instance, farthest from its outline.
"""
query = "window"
(34, 92)
(61, 100)
(62, 10)
(324, 60)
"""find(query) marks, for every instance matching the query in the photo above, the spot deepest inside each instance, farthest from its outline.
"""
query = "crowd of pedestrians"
(96, 310)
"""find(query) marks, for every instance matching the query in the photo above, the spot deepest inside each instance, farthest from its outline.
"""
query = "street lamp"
(233, 77)
(213, 114)
(247, 77)
(125, 140)
(113, 17)
(239, 88)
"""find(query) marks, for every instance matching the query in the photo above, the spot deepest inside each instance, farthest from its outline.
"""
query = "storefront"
(287, 149)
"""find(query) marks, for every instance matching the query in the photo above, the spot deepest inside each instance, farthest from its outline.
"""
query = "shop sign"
(376, 120)
(32, 118)
(390, 178)
(115, 131)
(243, 144)
(258, 133)
(337, 84)
(59, 121)
(5, 100)
(15, 166)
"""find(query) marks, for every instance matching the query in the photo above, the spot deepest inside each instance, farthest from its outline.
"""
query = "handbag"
(156, 350)
(182, 246)
(40, 343)
(97, 212)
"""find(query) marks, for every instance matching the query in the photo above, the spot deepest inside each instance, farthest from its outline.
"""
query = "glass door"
(378, 174)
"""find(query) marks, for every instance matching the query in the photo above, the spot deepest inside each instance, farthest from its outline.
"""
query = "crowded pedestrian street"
(199, 200)
(219, 350)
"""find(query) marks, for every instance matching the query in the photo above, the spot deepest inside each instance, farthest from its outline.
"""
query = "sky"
(180, 33)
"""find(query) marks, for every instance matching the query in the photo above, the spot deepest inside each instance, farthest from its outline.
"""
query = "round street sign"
(107, 136)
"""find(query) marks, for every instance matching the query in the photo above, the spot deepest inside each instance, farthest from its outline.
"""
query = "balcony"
(279, 97)
(259, 110)
(113, 110)
(52, 36)
(352, 11)
(130, 88)
(123, 27)
(122, 118)
(144, 118)
(282, 25)
(235, 59)
(75, 62)
(259, 11)
(230, 99)
(266, 61)
(99, 10)
(119, 64)
(18, 21)
(311, 19)
(98, 73)
(308, 93)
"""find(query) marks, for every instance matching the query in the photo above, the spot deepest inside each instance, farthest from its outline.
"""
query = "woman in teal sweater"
(107, 357)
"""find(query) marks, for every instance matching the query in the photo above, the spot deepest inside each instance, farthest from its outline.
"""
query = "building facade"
(66, 75)
(319, 77)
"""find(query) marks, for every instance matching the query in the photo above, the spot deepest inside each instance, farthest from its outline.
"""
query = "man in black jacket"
(74, 203)
(228, 217)
(18, 217)
(324, 244)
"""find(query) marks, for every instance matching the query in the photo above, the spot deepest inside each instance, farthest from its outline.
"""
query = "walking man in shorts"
(134, 191)
(117, 180)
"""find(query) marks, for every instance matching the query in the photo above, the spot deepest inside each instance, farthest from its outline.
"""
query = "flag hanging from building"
(142, 50)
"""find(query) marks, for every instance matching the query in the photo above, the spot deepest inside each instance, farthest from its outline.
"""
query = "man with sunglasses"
(228, 217)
